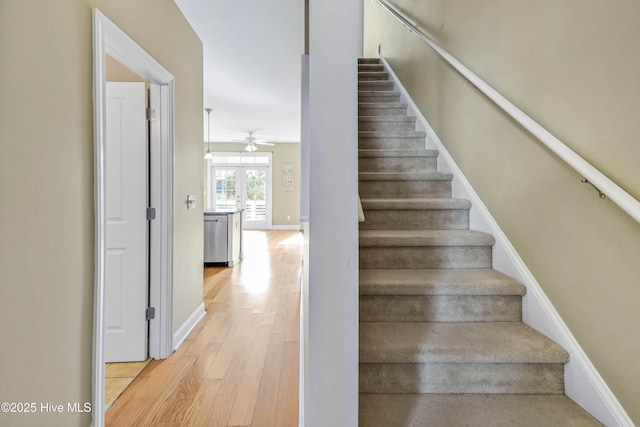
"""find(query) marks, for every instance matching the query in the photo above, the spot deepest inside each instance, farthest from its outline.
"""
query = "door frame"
(109, 39)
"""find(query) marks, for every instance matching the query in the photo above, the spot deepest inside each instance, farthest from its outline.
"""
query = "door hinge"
(151, 213)
(151, 313)
(151, 114)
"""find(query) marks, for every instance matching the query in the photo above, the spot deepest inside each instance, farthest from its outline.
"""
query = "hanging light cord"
(208, 156)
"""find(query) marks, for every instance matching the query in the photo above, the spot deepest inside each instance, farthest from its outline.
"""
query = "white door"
(233, 184)
(253, 197)
(126, 284)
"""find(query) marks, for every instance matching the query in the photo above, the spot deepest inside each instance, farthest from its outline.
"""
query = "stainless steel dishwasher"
(215, 238)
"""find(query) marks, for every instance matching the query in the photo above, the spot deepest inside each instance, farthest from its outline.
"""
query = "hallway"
(239, 367)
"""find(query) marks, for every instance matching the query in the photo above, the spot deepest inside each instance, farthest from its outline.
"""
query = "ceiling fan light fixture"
(253, 142)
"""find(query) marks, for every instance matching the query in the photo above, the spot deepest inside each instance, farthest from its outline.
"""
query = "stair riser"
(387, 126)
(379, 85)
(415, 143)
(369, 61)
(425, 257)
(368, 76)
(403, 189)
(392, 97)
(487, 378)
(397, 164)
(393, 111)
(440, 308)
(370, 67)
(428, 219)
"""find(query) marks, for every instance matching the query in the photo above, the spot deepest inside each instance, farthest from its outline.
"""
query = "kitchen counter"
(209, 212)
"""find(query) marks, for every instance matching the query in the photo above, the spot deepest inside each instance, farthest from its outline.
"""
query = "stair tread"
(382, 105)
(425, 238)
(468, 342)
(381, 152)
(438, 282)
(414, 203)
(388, 93)
(404, 176)
(391, 134)
(471, 410)
(389, 83)
(403, 118)
(373, 75)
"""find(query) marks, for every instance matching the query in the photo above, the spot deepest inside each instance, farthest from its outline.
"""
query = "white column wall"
(331, 382)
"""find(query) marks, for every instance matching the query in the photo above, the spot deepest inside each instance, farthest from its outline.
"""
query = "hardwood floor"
(118, 376)
(239, 367)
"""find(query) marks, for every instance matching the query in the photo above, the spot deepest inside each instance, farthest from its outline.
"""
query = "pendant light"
(208, 155)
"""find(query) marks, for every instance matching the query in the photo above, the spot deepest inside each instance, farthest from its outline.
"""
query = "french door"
(238, 182)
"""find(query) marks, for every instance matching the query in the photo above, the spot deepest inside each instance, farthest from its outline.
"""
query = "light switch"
(191, 201)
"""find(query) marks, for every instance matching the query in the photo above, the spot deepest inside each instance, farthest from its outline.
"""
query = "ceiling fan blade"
(264, 143)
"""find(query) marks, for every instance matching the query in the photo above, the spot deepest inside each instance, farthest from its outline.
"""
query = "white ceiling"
(252, 56)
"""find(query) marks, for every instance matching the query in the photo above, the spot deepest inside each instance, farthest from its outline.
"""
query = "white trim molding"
(185, 329)
(111, 40)
(287, 227)
(583, 383)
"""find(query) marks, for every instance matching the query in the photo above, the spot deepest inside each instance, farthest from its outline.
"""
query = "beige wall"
(46, 189)
(573, 66)
(285, 203)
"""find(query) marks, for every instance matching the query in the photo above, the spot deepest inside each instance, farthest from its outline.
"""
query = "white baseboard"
(583, 383)
(286, 227)
(185, 329)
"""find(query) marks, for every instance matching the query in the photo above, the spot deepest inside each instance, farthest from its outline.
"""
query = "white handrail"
(593, 176)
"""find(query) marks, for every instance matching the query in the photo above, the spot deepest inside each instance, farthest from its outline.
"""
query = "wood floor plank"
(287, 403)
(280, 321)
(293, 317)
(239, 366)
(237, 344)
(181, 404)
(132, 411)
(202, 403)
(248, 390)
(156, 391)
(264, 414)
(125, 400)
(216, 413)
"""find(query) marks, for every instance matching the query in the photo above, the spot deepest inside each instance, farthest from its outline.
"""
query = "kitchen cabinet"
(223, 237)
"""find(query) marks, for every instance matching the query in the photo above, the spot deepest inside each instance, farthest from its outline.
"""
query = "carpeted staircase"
(441, 337)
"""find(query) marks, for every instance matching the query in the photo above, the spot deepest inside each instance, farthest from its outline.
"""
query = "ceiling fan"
(251, 142)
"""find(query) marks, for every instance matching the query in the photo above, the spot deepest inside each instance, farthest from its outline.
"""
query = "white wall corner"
(583, 383)
(185, 329)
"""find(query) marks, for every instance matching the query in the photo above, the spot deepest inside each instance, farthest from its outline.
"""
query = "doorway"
(242, 181)
(108, 39)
